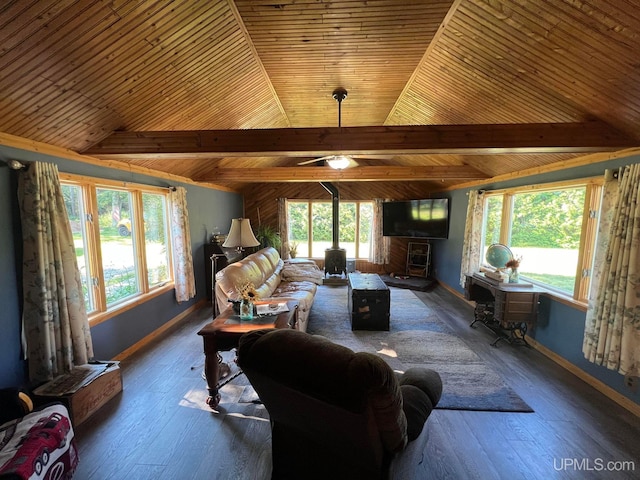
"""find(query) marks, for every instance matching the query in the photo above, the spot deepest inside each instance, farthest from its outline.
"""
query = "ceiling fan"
(339, 162)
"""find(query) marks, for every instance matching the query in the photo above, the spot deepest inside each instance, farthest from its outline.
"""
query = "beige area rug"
(418, 338)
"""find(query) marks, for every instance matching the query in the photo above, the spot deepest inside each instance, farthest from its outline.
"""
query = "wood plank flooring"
(160, 428)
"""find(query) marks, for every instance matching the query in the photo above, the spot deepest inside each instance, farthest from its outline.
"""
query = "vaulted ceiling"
(228, 92)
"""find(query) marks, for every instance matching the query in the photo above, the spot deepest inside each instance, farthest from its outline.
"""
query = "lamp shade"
(240, 234)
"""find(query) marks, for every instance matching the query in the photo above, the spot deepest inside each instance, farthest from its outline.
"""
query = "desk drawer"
(516, 307)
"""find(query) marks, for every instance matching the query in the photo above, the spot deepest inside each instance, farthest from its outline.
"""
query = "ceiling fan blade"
(313, 160)
(318, 160)
(374, 157)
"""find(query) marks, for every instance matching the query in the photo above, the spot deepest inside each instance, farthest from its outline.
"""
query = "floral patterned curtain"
(185, 283)
(612, 326)
(472, 236)
(380, 246)
(283, 228)
(54, 321)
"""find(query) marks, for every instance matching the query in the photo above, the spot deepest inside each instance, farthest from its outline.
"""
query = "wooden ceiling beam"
(357, 174)
(421, 139)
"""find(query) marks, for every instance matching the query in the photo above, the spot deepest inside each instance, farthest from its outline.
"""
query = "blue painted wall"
(210, 211)
(12, 368)
(561, 327)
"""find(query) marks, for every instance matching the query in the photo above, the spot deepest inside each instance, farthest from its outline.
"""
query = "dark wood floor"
(159, 427)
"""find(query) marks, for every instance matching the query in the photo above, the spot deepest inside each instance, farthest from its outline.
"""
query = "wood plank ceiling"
(73, 72)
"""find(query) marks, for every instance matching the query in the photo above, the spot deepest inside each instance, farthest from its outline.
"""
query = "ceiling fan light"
(339, 162)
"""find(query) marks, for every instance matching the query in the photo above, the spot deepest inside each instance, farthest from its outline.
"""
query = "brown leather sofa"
(335, 413)
(264, 269)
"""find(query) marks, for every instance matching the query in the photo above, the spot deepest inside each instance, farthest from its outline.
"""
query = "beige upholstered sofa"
(265, 270)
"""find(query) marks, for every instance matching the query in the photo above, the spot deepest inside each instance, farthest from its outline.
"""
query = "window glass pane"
(117, 244)
(74, 203)
(492, 223)
(545, 232)
(155, 234)
(356, 242)
(347, 238)
(321, 228)
(366, 223)
(299, 227)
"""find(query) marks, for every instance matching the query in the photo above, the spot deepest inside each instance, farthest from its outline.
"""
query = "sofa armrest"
(421, 391)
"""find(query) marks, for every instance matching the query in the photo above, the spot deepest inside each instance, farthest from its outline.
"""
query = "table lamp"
(240, 235)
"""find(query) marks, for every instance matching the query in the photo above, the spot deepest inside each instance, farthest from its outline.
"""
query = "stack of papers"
(271, 308)
(71, 382)
(498, 276)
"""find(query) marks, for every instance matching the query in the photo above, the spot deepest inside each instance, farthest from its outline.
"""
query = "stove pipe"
(335, 201)
(335, 258)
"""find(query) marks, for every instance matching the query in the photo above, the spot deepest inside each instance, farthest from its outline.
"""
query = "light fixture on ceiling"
(338, 162)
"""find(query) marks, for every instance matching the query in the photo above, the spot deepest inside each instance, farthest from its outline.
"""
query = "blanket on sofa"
(299, 272)
(40, 445)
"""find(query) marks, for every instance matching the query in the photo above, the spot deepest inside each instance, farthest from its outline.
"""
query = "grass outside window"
(121, 240)
(551, 228)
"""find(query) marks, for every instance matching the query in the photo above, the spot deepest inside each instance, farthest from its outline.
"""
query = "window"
(551, 227)
(121, 238)
(311, 227)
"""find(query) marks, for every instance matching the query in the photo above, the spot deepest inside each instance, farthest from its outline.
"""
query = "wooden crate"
(90, 397)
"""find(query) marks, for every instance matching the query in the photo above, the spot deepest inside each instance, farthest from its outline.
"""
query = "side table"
(223, 334)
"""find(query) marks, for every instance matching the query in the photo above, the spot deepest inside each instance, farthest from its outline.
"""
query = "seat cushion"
(261, 268)
(304, 293)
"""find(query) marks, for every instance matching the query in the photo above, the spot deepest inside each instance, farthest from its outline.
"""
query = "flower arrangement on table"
(249, 295)
(513, 264)
(248, 292)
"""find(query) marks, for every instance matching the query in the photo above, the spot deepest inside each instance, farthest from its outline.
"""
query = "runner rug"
(417, 337)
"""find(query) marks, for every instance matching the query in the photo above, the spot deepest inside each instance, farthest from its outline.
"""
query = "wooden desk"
(503, 307)
(220, 335)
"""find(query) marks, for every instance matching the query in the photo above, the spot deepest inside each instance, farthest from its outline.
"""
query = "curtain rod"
(15, 164)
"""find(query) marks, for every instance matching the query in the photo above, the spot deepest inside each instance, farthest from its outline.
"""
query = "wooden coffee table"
(223, 334)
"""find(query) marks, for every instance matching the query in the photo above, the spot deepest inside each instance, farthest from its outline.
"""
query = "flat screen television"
(428, 218)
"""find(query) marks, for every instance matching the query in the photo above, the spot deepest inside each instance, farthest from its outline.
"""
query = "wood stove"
(335, 258)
